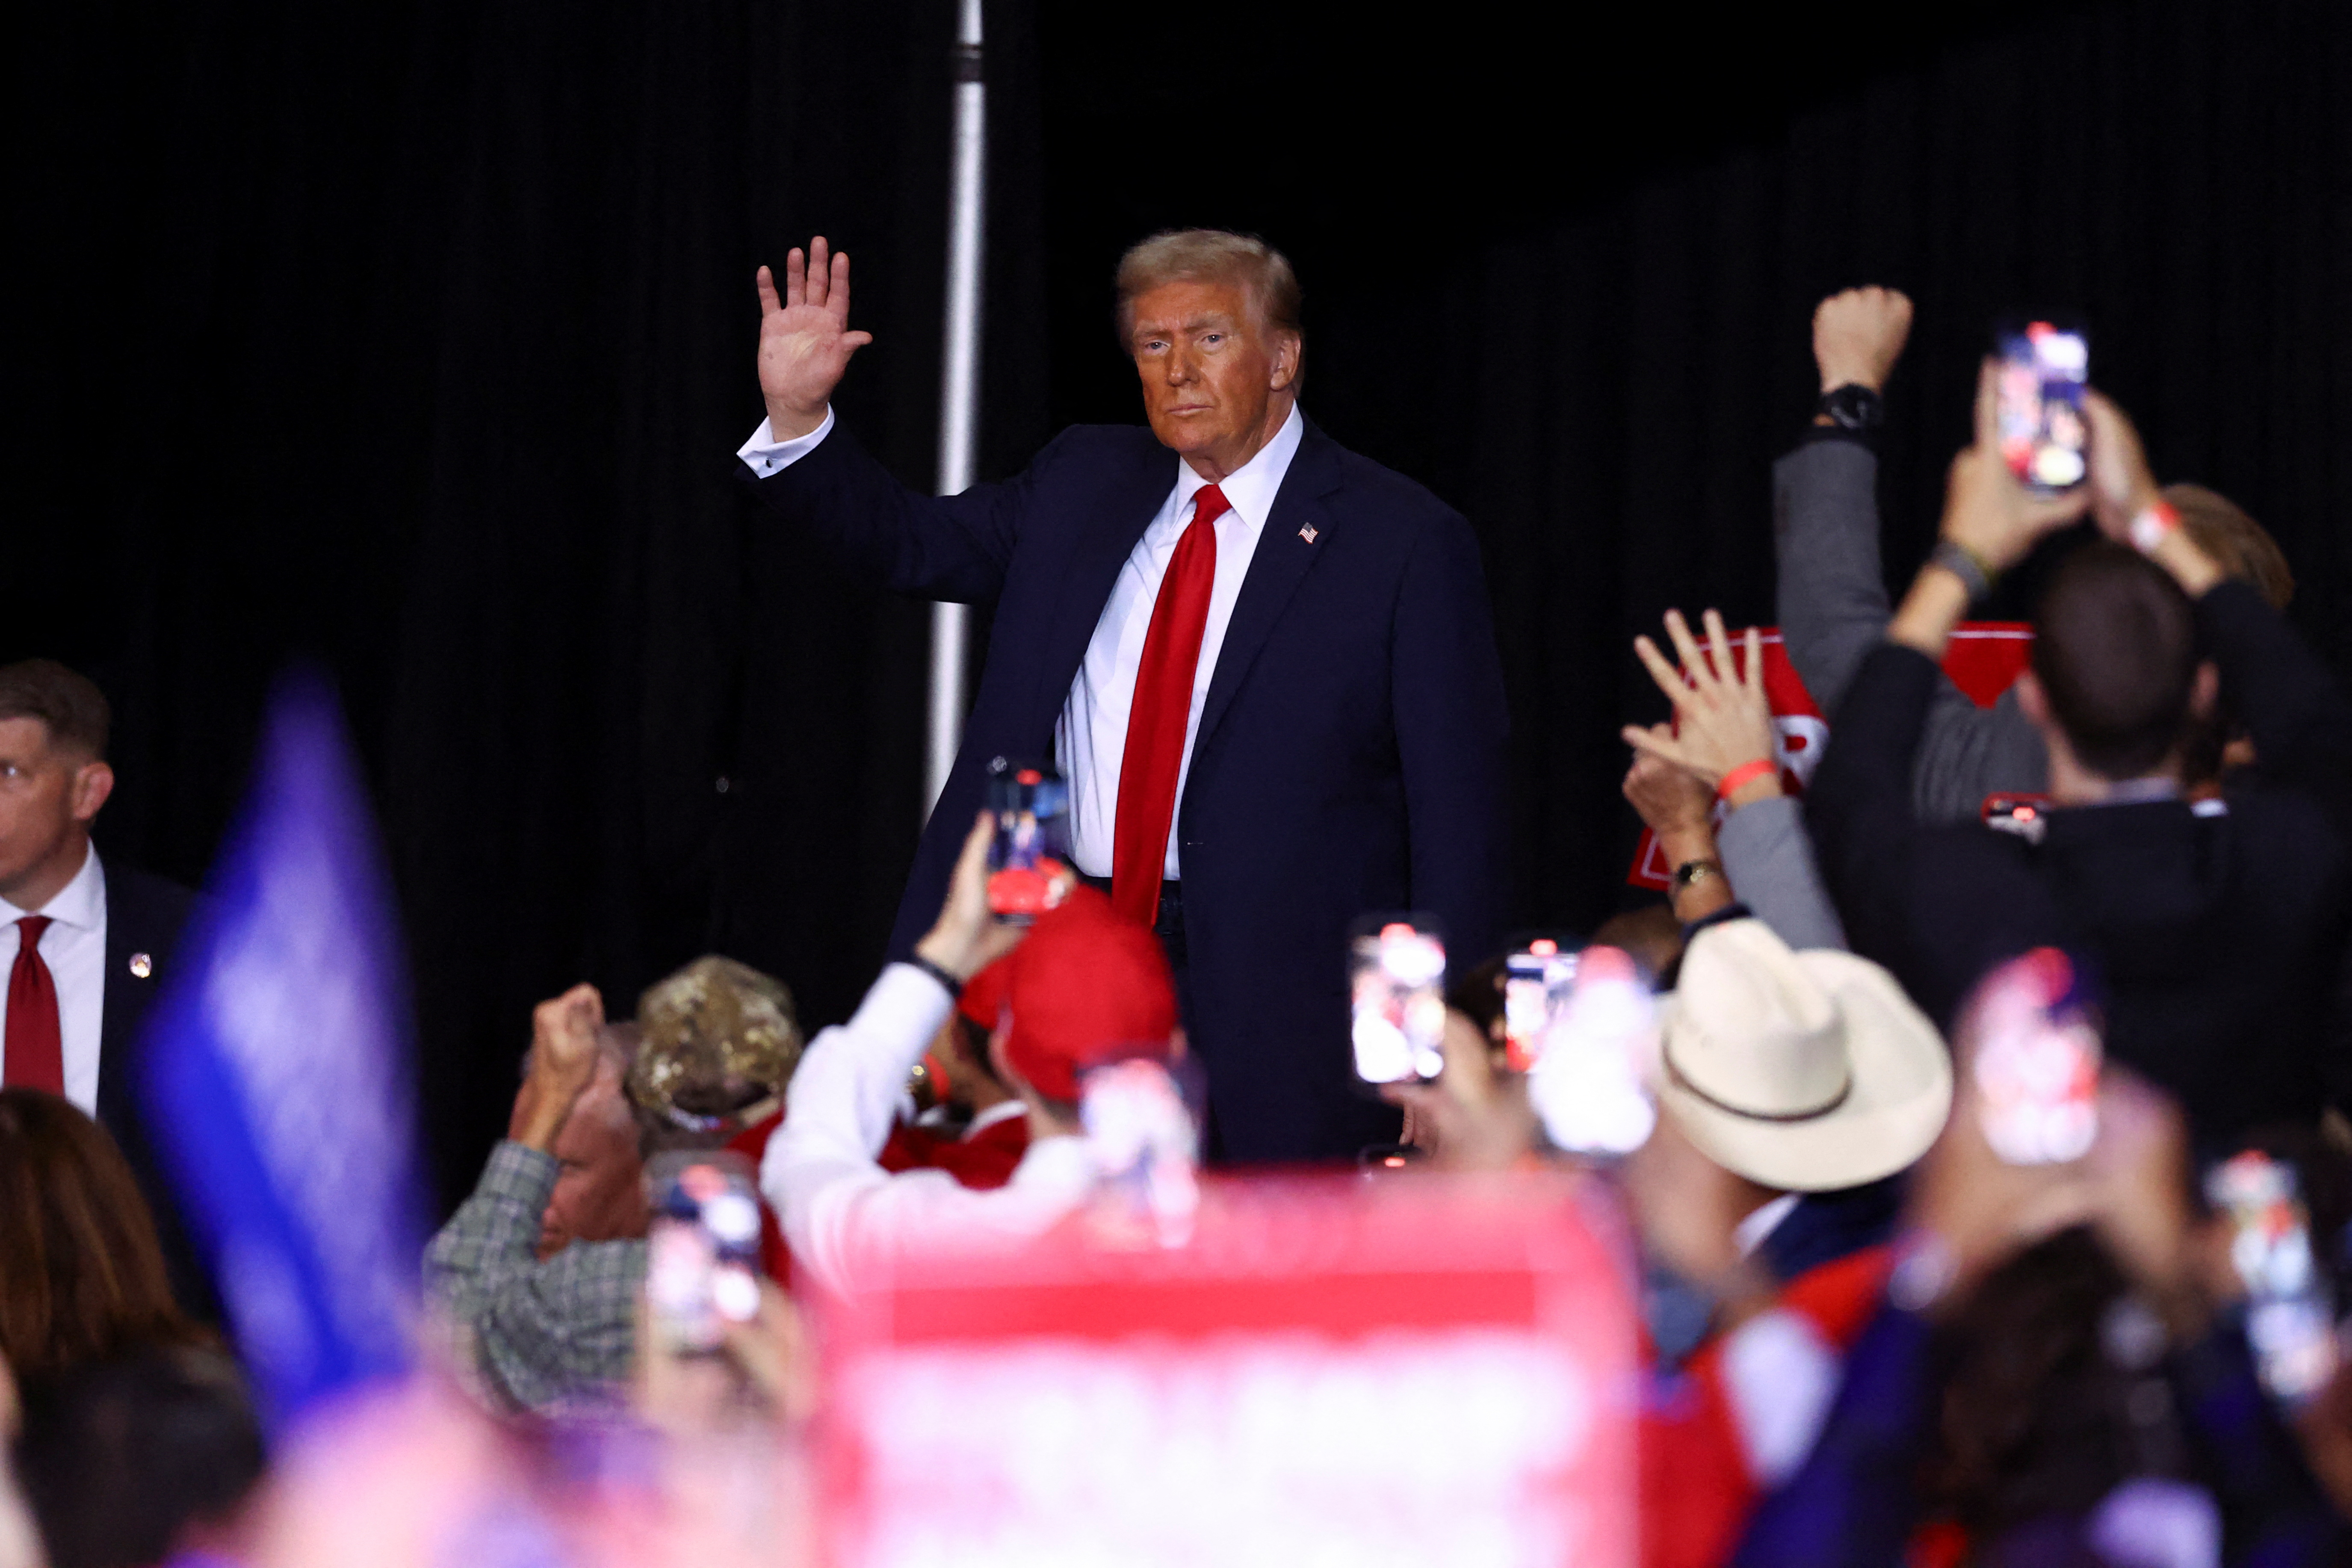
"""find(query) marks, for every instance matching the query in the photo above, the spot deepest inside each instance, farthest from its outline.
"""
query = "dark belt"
(1168, 919)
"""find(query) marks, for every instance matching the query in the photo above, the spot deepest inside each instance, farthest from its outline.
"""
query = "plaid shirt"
(543, 1333)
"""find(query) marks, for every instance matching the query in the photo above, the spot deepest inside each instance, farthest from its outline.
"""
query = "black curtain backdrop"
(415, 338)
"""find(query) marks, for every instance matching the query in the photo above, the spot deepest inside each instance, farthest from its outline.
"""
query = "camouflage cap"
(721, 1043)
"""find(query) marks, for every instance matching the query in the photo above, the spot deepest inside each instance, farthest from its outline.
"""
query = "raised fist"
(1858, 335)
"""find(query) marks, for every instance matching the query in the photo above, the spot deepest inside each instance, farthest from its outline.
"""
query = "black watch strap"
(1853, 406)
(948, 983)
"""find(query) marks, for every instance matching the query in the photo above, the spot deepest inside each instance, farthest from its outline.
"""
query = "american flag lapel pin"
(1307, 533)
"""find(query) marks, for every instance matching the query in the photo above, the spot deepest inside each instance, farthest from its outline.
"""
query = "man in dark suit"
(1266, 664)
(100, 935)
(2217, 931)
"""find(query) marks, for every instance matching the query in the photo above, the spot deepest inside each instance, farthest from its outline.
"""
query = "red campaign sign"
(1983, 659)
(1329, 1370)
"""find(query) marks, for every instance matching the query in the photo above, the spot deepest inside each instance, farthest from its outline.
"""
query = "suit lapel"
(1281, 561)
(1127, 511)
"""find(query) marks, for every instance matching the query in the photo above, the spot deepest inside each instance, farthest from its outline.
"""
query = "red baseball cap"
(982, 999)
(1088, 985)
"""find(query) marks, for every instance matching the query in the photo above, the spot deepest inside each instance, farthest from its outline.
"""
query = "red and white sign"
(1336, 1370)
(1983, 659)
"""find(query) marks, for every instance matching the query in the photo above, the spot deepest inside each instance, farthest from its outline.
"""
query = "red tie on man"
(1161, 710)
(36, 1047)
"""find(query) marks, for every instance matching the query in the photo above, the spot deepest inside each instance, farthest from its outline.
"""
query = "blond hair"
(2239, 546)
(1210, 255)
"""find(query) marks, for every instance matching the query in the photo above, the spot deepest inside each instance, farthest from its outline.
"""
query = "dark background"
(415, 336)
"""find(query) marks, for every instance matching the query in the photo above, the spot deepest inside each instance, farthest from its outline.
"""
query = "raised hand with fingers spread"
(804, 338)
(1723, 723)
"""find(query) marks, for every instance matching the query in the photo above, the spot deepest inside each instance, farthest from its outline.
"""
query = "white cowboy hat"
(1806, 1071)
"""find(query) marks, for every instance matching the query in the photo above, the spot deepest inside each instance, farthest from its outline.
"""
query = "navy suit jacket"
(1350, 754)
(144, 917)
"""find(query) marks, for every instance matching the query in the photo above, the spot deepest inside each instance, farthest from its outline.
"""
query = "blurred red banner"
(1343, 1369)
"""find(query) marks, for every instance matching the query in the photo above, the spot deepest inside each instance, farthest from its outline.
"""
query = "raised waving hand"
(804, 338)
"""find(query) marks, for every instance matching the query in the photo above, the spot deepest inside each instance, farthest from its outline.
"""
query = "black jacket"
(1350, 754)
(146, 917)
(2219, 933)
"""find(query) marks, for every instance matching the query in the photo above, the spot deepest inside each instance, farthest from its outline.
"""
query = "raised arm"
(798, 462)
(2291, 703)
(1832, 599)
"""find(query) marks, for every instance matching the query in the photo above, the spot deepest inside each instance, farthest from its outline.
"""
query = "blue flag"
(278, 1080)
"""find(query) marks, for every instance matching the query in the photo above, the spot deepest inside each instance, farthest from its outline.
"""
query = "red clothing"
(774, 1256)
(984, 1160)
(1696, 1490)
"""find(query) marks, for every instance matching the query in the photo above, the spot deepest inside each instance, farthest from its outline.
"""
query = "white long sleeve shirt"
(74, 947)
(839, 1207)
(1090, 737)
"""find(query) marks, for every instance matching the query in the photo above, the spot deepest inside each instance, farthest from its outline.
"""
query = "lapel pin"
(141, 965)
(1307, 533)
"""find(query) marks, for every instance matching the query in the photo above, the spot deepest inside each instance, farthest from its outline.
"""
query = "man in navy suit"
(1264, 665)
(102, 933)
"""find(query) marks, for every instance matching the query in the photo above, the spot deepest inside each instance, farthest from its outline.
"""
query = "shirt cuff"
(764, 455)
(517, 1172)
(1814, 434)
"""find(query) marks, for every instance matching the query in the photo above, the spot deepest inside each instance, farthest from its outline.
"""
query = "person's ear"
(1178, 1046)
(2204, 691)
(92, 783)
(1005, 1074)
(1289, 350)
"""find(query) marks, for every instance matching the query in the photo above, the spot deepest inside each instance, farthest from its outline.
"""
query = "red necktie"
(36, 1047)
(1162, 709)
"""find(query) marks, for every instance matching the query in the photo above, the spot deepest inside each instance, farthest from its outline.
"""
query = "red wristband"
(1745, 774)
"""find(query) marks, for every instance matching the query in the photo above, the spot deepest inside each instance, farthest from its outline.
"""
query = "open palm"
(804, 338)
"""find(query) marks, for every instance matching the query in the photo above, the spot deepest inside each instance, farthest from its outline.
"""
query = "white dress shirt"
(1090, 737)
(841, 1211)
(74, 947)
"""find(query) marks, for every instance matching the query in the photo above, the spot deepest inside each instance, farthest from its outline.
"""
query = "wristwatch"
(1853, 406)
(1690, 873)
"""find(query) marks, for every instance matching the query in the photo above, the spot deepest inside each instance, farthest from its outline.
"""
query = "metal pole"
(959, 381)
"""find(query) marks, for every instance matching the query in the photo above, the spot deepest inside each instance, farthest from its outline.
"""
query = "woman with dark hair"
(81, 1275)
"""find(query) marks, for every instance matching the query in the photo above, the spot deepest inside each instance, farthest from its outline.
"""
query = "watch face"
(1854, 407)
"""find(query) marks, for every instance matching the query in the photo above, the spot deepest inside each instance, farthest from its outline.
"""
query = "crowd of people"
(1995, 1204)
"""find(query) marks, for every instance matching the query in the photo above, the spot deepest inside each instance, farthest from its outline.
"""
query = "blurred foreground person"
(2057, 1372)
(979, 1130)
(1832, 598)
(2219, 929)
(1086, 986)
(84, 944)
(84, 1277)
(1266, 664)
(540, 1271)
(1779, 1077)
(146, 1458)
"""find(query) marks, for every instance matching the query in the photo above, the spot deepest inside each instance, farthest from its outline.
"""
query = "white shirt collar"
(81, 903)
(1761, 1221)
(1002, 1110)
(1251, 488)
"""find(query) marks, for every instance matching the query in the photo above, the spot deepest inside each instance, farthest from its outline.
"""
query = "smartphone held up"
(1396, 987)
(1029, 849)
(702, 1249)
(2036, 1062)
(2044, 436)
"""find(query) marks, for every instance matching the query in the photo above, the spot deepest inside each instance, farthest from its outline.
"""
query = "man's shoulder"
(1374, 489)
(143, 902)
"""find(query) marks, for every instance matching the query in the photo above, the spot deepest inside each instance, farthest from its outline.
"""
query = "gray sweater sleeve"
(1834, 610)
(1769, 861)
